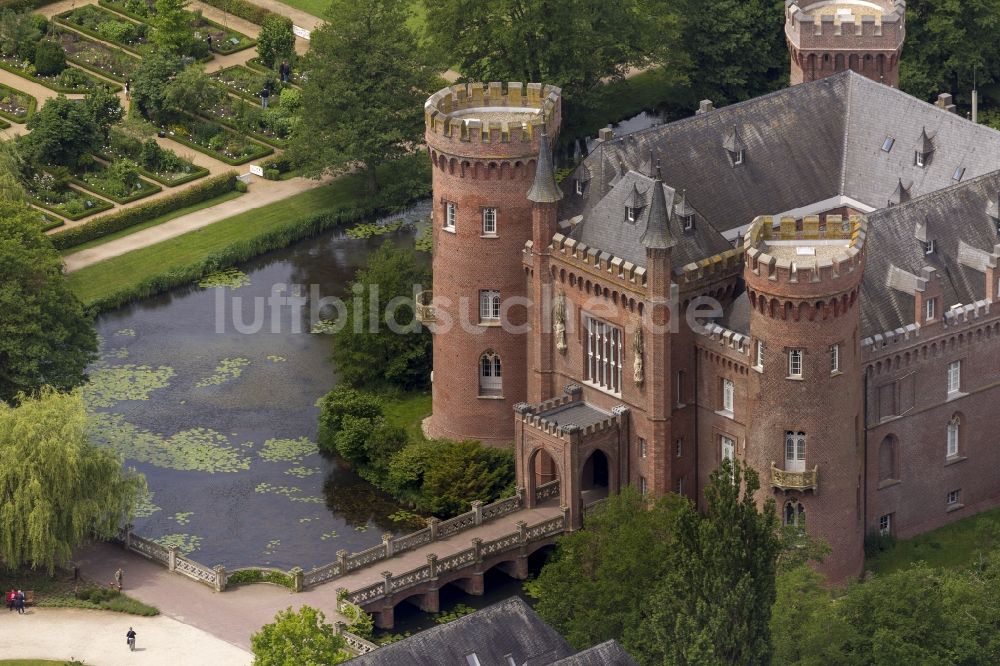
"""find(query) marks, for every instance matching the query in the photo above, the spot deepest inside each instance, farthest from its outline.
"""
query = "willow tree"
(57, 490)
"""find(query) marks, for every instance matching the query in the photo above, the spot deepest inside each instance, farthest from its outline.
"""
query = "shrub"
(340, 404)
(243, 9)
(276, 40)
(128, 217)
(272, 174)
(280, 163)
(247, 576)
(241, 186)
(50, 58)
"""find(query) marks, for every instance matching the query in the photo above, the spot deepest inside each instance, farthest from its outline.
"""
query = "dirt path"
(261, 192)
(98, 637)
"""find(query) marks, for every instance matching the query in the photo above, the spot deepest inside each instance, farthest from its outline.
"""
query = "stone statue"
(637, 356)
(559, 321)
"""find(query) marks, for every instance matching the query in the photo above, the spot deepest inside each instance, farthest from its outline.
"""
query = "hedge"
(244, 576)
(392, 198)
(18, 5)
(148, 189)
(243, 9)
(100, 205)
(129, 217)
(110, 85)
(32, 106)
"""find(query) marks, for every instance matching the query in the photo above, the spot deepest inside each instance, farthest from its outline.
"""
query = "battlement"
(712, 268)
(545, 417)
(489, 114)
(811, 23)
(816, 255)
(959, 317)
(594, 259)
(736, 345)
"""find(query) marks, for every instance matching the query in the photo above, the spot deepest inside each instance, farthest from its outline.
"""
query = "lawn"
(151, 223)
(61, 591)
(118, 273)
(408, 410)
(953, 546)
(318, 8)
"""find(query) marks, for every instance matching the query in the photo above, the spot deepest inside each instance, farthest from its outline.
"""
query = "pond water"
(221, 417)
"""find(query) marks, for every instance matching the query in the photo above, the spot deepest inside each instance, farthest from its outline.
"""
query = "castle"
(807, 281)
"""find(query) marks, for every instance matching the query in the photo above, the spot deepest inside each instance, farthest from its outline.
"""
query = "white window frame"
(728, 448)
(759, 360)
(953, 437)
(795, 451)
(888, 144)
(631, 213)
(605, 354)
(679, 389)
(688, 221)
(450, 215)
(642, 447)
(835, 359)
(954, 496)
(490, 374)
(489, 221)
(795, 363)
(739, 157)
(954, 377)
(679, 447)
(885, 525)
(489, 305)
(728, 395)
(918, 159)
(929, 308)
(929, 247)
(643, 487)
(579, 187)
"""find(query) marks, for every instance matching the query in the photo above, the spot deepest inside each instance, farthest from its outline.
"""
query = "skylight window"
(887, 144)
(959, 172)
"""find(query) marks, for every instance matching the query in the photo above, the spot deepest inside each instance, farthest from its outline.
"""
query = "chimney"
(704, 106)
(944, 100)
(605, 134)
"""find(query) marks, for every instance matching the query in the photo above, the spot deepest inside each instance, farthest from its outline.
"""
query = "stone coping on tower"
(812, 250)
(489, 113)
(805, 20)
(711, 268)
(736, 345)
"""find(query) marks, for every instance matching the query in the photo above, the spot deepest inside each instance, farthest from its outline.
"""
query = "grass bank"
(215, 201)
(188, 257)
(407, 410)
(953, 546)
(318, 9)
(61, 591)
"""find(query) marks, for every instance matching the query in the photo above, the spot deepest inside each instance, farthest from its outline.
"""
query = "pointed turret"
(544, 189)
(657, 235)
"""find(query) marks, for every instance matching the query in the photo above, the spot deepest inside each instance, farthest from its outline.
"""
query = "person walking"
(265, 96)
(209, 40)
(20, 602)
(118, 578)
(285, 71)
(130, 639)
(128, 89)
(11, 599)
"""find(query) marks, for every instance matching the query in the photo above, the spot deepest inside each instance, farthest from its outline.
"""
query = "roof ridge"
(848, 110)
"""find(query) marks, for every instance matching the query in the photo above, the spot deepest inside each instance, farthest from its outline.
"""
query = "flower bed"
(224, 40)
(246, 82)
(97, 57)
(71, 80)
(118, 181)
(297, 78)
(162, 165)
(215, 140)
(270, 125)
(106, 25)
(51, 193)
(16, 105)
(48, 220)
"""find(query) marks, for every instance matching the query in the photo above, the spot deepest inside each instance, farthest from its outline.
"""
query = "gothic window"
(954, 377)
(489, 305)
(794, 514)
(490, 378)
(604, 355)
(728, 395)
(759, 356)
(795, 451)
(929, 309)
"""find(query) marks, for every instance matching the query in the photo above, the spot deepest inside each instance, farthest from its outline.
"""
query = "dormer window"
(580, 187)
(958, 175)
(918, 159)
(929, 246)
(632, 213)
(735, 147)
(923, 150)
(738, 157)
(687, 222)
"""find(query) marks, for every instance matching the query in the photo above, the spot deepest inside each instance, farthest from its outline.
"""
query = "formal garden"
(224, 40)
(160, 164)
(95, 56)
(15, 105)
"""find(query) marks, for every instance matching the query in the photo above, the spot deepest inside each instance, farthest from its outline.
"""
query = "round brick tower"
(829, 36)
(803, 279)
(484, 143)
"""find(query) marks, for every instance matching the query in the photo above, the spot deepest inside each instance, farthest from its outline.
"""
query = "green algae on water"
(184, 543)
(231, 278)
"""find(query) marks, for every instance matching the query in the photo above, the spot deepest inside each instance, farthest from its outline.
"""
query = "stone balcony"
(424, 308)
(784, 480)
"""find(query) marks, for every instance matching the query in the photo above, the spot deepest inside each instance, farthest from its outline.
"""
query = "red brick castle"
(846, 235)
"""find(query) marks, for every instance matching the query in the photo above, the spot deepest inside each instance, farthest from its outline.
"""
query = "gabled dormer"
(735, 147)
(924, 150)
(684, 213)
(635, 201)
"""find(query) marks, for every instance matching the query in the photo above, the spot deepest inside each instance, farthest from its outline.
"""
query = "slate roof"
(576, 413)
(510, 627)
(609, 653)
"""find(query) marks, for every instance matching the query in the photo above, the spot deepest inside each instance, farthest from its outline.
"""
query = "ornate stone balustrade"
(322, 574)
(355, 643)
(807, 480)
(593, 506)
(547, 490)
(424, 307)
(413, 540)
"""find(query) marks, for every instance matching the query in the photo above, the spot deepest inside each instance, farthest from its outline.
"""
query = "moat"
(223, 423)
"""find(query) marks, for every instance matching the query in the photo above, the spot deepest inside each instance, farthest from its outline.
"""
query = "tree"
(193, 90)
(363, 101)
(59, 490)
(65, 131)
(715, 602)
(149, 85)
(737, 48)
(276, 40)
(50, 58)
(172, 27)
(947, 42)
(597, 586)
(462, 472)
(105, 110)
(298, 638)
(20, 33)
(574, 44)
(45, 337)
(366, 350)
(343, 404)
(805, 628)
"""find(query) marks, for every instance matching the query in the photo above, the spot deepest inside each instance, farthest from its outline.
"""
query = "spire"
(657, 236)
(544, 189)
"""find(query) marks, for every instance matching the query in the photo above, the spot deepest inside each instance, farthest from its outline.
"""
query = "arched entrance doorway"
(595, 477)
(543, 473)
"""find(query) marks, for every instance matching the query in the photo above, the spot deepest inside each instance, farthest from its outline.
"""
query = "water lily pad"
(232, 278)
(328, 535)
(145, 507)
(288, 450)
(183, 517)
(276, 359)
(227, 370)
(324, 327)
(185, 543)
(111, 384)
(125, 333)
(302, 472)
(291, 492)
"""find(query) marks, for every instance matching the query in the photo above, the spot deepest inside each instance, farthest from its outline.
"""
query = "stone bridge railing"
(480, 550)
(214, 577)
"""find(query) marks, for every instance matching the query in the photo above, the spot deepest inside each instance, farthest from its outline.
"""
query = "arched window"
(888, 459)
(490, 379)
(794, 514)
(953, 436)
(795, 451)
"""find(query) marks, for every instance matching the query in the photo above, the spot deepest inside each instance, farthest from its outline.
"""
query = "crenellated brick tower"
(484, 142)
(829, 36)
(805, 430)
